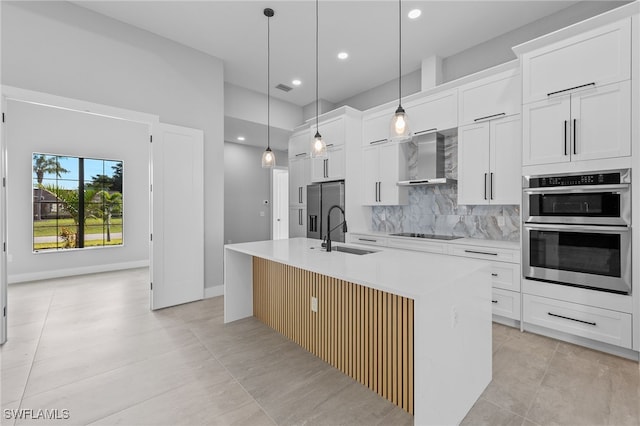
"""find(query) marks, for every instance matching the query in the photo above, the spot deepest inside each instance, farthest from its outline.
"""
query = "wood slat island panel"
(365, 333)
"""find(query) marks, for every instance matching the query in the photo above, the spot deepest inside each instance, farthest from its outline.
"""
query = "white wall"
(251, 106)
(62, 49)
(498, 50)
(411, 83)
(246, 185)
(35, 128)
(482, 56)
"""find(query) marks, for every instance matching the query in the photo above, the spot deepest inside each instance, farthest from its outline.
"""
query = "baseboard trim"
(59, 273)
(215, 291)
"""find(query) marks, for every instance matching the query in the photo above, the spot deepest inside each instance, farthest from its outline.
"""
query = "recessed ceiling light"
(343, 55)
(296, 82)
(240, 138)
(414, 13)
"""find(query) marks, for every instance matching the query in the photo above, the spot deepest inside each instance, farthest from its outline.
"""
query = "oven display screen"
(599, 204)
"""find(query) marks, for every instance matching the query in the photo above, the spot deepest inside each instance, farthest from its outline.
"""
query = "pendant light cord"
(317, 109)
(400, 53)
(269, 82)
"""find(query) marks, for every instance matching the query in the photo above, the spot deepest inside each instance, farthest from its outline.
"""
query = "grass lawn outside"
(90, 243)
(51, 227)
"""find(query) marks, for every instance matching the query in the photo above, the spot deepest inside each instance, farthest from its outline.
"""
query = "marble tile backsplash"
(434, 209)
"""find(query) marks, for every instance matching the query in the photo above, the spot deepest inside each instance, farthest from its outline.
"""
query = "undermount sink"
(352, 250)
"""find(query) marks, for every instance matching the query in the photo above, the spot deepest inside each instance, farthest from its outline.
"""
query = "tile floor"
(91, 346)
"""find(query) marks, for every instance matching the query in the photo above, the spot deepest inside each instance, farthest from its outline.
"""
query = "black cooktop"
(430, 236)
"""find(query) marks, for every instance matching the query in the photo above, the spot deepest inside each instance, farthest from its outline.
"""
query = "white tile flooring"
(90, 345)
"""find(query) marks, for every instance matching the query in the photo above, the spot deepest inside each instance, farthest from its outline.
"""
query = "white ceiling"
(236, 32)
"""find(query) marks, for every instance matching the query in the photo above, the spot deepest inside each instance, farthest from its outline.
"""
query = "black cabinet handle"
(379, 191)
(378, 141)
(491, 186)
(489, 116)
(565, 137)
(301, 154)
(493, 274)
(481, 252)
(575, 149)
(571, 88)
(425, 131)
(368, 240)
(571, 319)
(485, 186)
(494, 301)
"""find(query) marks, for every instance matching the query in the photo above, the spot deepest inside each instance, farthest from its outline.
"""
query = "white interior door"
(3, 239)
(280, 203)
(177, 216)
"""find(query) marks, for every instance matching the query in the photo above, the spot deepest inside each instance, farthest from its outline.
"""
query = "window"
(77, 202)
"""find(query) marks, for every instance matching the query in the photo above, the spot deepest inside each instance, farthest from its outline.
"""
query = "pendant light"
(268, 157)
(318, 145)
(399, 130)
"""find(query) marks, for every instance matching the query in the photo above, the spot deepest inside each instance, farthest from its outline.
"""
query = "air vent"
(283, 87)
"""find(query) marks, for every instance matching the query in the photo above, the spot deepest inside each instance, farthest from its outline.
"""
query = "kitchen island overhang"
(451, 298)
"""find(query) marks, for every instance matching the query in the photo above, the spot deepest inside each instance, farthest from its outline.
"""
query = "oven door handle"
(579, 228)
(578, 189)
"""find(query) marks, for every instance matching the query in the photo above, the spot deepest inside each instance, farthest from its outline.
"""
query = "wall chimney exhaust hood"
(430, 163)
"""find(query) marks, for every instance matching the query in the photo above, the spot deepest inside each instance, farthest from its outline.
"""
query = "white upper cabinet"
(596, 58)
(492, 97)
(375, 127)
(299, 144)
(384, 165)
(588, 124)
(330, 168)
(332, 131)
(489, 166)
(433, 113)
(601, 122)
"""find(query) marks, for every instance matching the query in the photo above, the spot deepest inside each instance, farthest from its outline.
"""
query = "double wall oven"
(577, 230)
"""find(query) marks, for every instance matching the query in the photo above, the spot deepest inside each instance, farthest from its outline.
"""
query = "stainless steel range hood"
(430, 164)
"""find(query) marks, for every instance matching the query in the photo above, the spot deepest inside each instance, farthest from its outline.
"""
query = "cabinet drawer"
(479, 252)
(505, 276)
(367, 239)
(593, 323)
(493, 97)
(506, 303)
(599, 57)
(416, 245)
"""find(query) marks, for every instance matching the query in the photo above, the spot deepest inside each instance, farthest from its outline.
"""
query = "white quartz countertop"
(406, 273)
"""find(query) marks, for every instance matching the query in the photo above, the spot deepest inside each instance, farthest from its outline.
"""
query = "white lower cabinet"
(506, 303)
(603, 325)
(367, 239)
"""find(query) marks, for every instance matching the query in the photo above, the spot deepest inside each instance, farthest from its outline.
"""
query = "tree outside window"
(78, 202)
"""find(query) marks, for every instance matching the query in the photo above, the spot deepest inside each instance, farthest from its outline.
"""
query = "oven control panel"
(575, 180)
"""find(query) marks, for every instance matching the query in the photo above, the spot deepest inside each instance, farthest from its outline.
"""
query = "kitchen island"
(413, 327)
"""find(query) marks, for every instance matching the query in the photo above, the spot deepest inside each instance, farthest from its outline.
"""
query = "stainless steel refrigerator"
(320, 198)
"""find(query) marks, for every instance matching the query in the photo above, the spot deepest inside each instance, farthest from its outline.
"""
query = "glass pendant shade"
(318, 147)
(399, 130)
(268, 159)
